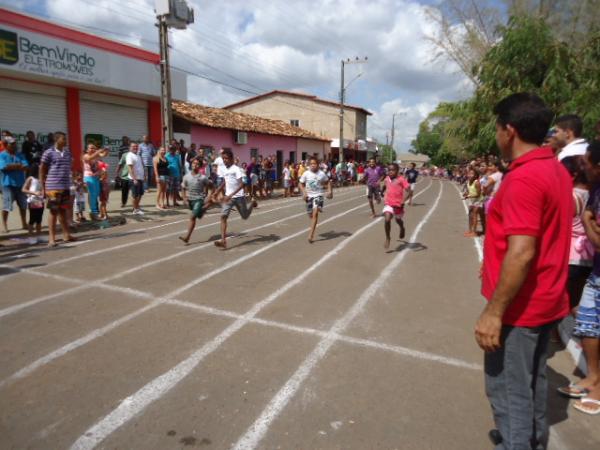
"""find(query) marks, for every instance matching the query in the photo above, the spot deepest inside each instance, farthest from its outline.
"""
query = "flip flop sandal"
(573, 391)
(579, 406)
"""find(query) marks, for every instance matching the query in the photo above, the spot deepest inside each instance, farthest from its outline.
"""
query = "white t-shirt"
(220, 166)
(314, 183)
(133, 159)
(286, 174)
(497, 177)
(233, 180)
(576, 148)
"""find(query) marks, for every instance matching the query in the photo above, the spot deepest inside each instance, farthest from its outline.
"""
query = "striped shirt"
(59, 169)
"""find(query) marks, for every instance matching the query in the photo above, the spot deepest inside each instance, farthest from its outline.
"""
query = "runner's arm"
(42, 177)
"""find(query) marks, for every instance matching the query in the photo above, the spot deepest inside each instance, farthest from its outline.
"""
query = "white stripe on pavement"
(259, 428)
(154, 390)
(16, 308)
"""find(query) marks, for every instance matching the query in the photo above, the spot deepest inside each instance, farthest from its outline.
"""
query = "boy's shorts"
(312, 202)
(11, 194)
(587, 321)
(197, 208)
(137, 189)
(396, 211)
(286, 184)
(58, 199)
(79, 207)
(373, 192)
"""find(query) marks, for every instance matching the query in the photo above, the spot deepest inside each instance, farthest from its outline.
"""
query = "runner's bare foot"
(387, 244)
(402, 232)
(52, 244)
(221, 244)
(184, 240)
(70, 239)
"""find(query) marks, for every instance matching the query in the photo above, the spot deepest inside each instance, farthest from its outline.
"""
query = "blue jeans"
(93, 185)
(517, 387)
(150, 181)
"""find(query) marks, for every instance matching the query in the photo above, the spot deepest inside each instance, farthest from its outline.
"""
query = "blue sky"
(260, 45)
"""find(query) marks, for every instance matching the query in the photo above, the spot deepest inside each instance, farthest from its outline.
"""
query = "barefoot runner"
(195, 187)
(411, 176)
(373, 177)
(396, 187)
(233, 186)
(312, 184)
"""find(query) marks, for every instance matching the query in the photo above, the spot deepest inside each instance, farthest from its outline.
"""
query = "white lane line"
(95, 334)
(16, 308)
(259, 428)
(155, 389)
(163, 236)
(476, 240)
(403, 351)
(556, 441)
(81, 284)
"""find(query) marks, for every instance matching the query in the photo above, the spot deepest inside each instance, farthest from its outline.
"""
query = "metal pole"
(165, 82)
(341, 146)
(393, 129)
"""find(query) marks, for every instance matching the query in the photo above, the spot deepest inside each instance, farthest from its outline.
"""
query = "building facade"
(55, 78)
(321, 117)
(213, 128)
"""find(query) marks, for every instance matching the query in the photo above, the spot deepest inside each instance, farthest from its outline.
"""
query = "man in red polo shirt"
(526, 254)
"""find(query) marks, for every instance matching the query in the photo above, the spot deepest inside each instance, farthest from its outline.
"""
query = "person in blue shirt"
(13, 166)
(175, 171)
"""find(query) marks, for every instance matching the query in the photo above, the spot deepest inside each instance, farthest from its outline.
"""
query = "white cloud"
(259, 45)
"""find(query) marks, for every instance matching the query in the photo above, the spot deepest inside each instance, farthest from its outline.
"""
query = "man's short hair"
(527, 114)
(594, 151)
(571, 122)
(313, 158)
(226, 151)
(57, 134)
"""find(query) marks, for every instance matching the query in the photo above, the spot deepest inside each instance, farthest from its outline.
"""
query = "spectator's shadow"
(333, 235)
(558, 405)
(11, 270)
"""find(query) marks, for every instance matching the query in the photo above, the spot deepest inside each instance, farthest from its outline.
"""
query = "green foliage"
(387, 154)
(527, 58)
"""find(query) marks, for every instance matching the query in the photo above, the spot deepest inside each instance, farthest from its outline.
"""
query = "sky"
(248, 47)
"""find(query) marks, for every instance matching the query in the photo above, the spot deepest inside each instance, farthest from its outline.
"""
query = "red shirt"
(534, 199)
(394, 190)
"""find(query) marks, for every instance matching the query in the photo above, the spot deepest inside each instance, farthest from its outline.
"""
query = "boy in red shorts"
(396, 187)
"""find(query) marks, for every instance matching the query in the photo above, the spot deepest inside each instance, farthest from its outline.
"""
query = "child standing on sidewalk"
(35, 200)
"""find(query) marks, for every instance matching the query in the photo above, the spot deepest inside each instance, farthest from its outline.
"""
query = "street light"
(357, 60)
(397, 113)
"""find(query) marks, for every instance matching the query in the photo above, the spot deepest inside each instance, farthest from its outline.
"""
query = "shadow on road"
(414, 246)
(333, 235)
(558, 405)
(258, 240)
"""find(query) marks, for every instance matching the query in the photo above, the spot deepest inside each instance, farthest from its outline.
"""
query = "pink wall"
(265, 143)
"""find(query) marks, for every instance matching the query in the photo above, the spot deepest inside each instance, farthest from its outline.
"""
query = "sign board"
(33, 53)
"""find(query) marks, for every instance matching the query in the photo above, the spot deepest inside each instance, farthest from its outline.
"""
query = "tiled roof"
(314, 98)
(222, 118)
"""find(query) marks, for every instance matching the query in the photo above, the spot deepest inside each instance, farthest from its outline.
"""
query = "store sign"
(37, 54)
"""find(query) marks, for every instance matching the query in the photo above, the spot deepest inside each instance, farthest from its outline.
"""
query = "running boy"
(195, 187)
(374, 175)
(233, 188)
(411, 176)
(312, 184)
(396, 187)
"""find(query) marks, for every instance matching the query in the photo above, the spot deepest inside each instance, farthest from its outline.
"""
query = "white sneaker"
(140, 212)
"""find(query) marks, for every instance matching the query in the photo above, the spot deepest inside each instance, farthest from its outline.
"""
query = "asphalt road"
(128, 339)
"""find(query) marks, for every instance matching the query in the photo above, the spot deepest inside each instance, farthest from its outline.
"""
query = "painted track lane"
(159, 387)
(234, 261)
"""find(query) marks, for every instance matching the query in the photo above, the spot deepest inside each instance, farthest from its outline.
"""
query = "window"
(292, 157)
(253, 153)
(295, 122)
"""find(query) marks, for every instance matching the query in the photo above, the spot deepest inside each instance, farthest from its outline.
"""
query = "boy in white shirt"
(233, 189)
(312, 184)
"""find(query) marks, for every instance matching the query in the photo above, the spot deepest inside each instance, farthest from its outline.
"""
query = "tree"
(528, 57)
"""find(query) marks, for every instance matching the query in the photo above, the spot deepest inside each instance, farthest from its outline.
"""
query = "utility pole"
(170, 14)
(165, 83)
(342, 97)
(342, 92)
(394, 126)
